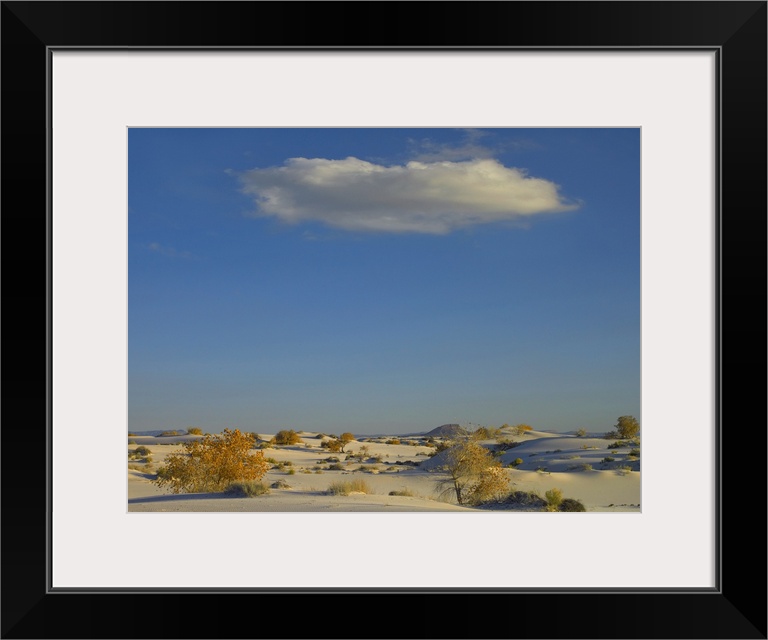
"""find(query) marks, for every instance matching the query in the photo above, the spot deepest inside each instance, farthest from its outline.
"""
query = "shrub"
(167, 434)
(195, 431)
(585, 466)
(139, 452)
(212, 464)
(345, 488)
(635, 452)
(280, 484)
(486, 433)
(608, 459)
(580, 433)
(131, 442)
(521, 429)
(247, 489)
(554, 498)
(286, 437)
(617, 445)
(526, 498)
(392, 441)
(623, 470)
(504, 444)
(402, 492)
(291, 472)
(627, 426)
(570, 504)
(517, 462)
(472, 473)
(336, 466)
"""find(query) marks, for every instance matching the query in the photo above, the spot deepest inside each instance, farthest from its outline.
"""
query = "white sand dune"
(574, 465)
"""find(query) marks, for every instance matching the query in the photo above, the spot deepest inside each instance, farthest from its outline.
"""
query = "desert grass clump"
(516, 462)
(195, 431)
(402, 492)
(623, 470)
(580, 433)
(392, 441)
(585, 466)
(521, 429)
(618, 445)
(247, 489)
(571, 504)
(346, 488)
(554, 498)
(608, 459)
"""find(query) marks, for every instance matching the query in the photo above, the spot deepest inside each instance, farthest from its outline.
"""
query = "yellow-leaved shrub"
(212, 463)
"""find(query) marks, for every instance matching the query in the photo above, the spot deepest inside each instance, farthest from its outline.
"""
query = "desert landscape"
(449, 469)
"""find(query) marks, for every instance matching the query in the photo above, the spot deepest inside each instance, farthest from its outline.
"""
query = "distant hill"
(447, 431)
(157, 432)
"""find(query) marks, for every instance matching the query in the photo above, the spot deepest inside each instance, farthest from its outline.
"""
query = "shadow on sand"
(182, 496)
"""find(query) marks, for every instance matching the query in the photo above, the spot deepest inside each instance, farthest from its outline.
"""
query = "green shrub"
(291, 472)
(580, 433)
(139, 452)
(247, 489)
(608, 459)
(585, 466)
(195, 431)
(517, 462)
(617, 445)
(554, 498)
(635, 452)
(571, 504)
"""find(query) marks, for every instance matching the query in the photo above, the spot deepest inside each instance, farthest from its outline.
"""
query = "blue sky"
(383, 280)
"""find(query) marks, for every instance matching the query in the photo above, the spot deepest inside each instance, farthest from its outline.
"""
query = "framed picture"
(688, 78)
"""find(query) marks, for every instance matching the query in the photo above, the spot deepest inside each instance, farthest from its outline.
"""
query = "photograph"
(379, 298)
(384, 319)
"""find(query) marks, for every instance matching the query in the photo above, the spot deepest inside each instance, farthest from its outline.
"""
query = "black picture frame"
(736, 608)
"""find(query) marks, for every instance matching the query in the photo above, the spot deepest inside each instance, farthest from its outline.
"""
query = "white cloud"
(418, 197)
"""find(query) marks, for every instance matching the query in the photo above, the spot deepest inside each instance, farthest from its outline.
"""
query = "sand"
(567, 462)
